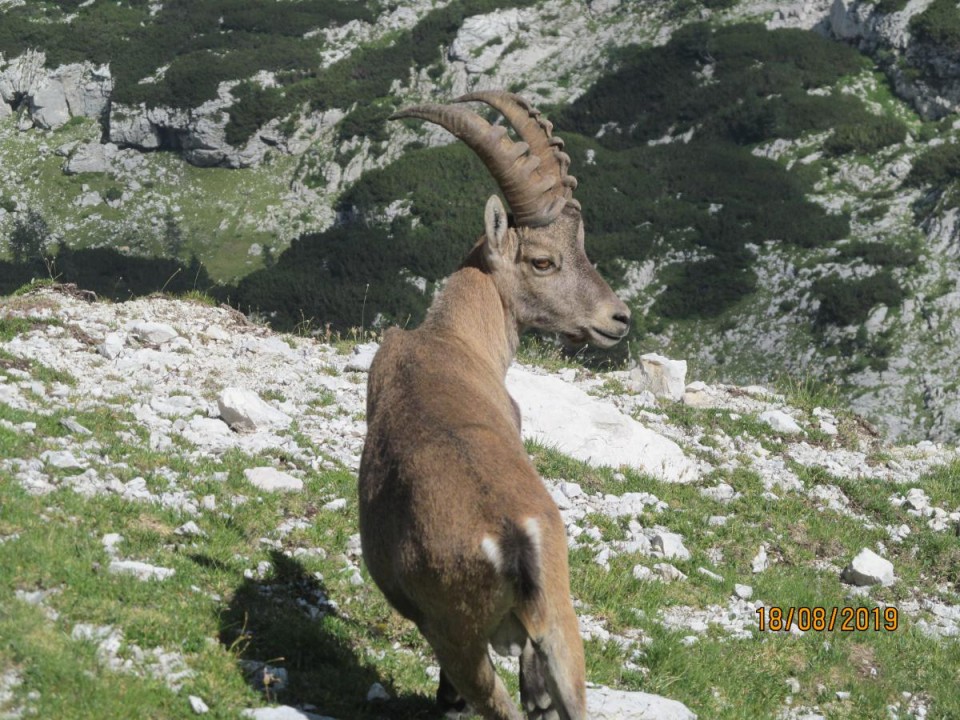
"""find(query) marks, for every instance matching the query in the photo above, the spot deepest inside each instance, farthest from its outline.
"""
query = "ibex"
(457, 528)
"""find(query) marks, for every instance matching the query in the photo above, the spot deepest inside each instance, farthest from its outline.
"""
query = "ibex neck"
(471, 310)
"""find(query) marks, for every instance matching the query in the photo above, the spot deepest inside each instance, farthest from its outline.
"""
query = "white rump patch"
(492, 551)
(532, 526)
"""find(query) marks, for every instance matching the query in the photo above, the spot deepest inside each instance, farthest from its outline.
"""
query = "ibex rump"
(458, 530)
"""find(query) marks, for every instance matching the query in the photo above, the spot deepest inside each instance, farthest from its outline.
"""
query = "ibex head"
(538, 261)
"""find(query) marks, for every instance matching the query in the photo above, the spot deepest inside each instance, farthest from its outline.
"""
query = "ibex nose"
(621, 315)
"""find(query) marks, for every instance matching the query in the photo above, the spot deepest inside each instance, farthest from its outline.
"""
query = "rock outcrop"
(51, 97)
(927, 76)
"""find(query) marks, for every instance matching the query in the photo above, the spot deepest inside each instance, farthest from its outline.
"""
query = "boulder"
(91, 158)
(564, 417)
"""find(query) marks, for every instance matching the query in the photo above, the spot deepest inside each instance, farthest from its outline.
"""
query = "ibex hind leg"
(450, 702)
(552, 683)
(469, 670)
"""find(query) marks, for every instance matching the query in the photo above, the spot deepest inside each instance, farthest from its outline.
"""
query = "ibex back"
(458, 530)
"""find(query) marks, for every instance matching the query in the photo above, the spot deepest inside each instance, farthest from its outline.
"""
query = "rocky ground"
(196, 382)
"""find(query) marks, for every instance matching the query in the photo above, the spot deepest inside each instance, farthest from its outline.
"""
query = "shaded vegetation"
(865, 137)
(108, 272)
(848, 301)
(937, 166)
(202, 43)
(710, 198)
(939, 25)
(756, 88)
(362, 77)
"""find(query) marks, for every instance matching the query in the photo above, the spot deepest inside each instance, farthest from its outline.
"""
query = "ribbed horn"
(532, 174)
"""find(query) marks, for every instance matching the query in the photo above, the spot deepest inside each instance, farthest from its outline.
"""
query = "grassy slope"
(216, 617)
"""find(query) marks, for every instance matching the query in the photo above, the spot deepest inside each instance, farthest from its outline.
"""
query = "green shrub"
(938, 25)
(849, 301)
(704, 289)
(890, 6)
(937, 166)
(880, 254)
(759, 90)
(864, 138)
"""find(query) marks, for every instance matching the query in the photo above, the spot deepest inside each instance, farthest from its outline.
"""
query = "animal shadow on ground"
(287, 621)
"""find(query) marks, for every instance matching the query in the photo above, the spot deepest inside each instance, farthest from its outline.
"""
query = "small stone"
(717, 520)
(744, 592)
(377, 693)
(760, 563)
(272, 480)
(338, 504)
(198, 706)
(73, 426)
(660, 375)
(868, 568)
(781, 422)
(668, 572)
(710, 574)
(362, 357)
(112, 346)
(843, 695)
(723, 492)
(63, 459)
(606, 704)
(140, 570)
(670, 545)
(793, 685)
(642, 572)
(571, 489)
(110, 542)
(152, 333)
(190, 529)
(243, 410)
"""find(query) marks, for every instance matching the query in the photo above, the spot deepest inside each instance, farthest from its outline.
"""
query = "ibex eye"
(541, 264)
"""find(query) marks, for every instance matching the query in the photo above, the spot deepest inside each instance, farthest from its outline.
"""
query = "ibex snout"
(613, 324)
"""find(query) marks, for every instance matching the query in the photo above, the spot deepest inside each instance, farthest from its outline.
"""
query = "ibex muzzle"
(458, 530)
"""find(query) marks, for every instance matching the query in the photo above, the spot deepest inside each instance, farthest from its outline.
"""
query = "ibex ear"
(495, 224)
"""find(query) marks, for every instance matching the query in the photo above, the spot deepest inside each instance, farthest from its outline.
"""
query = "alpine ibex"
(458, 530)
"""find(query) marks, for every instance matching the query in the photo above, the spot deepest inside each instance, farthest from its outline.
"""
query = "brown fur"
(444, 467)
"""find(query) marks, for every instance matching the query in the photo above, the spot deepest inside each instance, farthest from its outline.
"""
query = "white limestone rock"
(198, 706)
(781, 422)
(760, 561)
(281, 712)
(244, 410)
(604, 703)
(661, 376)
(140, 570)
(91, 158)
(868, 568)
(112, 345)
(593, 430)
(669, 545)
(362, 357)
(272, 480)
(152, 333)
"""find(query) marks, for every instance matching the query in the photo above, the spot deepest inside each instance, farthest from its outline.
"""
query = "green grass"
(722, 678)
(218, 618)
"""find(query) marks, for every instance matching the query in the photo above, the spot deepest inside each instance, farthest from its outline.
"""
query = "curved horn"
(532, 174)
